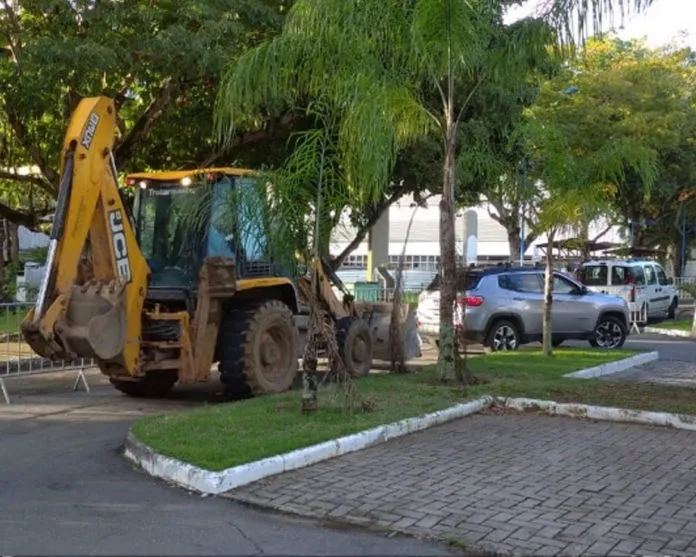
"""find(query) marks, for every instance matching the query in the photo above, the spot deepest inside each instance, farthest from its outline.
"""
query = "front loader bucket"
(96, 321)
(379, 315)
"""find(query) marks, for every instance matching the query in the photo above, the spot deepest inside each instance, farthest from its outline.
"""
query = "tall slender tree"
(394, 72)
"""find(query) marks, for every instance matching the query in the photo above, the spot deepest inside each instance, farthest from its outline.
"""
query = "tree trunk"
(514, 243)
(547, 347)
(675, 256)
(448, 291)
(396, 337)
(6, 249)
(14, 242)
(693, 326)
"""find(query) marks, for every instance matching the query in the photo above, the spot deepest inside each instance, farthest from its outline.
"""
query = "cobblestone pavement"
(513, 484)
(666, 372)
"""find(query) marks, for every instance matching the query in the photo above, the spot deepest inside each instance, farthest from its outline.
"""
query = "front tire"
(258, 347)
(354, 342)
(503, 336)
(609, 334)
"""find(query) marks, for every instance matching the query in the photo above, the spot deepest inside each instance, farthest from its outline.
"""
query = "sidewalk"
(521, 483)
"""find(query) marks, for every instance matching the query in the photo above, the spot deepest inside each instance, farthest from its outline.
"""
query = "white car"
(428, 312)
(642, 283)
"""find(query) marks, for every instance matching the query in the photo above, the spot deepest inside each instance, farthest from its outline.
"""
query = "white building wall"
(424, 234)
(30, 240)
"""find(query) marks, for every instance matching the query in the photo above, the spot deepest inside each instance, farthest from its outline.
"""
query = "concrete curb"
(667, 332)
(198, 479)
(604, 413)
(614, 367)
(205, 481)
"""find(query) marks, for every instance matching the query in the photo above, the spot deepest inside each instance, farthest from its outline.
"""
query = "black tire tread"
(497, 324)
(621, 324)
(233, 348)
(343, 328)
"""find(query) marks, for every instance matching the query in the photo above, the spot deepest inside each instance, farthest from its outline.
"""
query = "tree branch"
(603, 233)
(360, 236)
(126, 149)
(23, 137)
(530, 237)
(27, 179)
(273, 129)
(29, 220)
(503, 214)
(468, 98)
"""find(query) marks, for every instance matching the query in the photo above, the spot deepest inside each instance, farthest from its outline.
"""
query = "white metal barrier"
(18, 359)
(638, 315)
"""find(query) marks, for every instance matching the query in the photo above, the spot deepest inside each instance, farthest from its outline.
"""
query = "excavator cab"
(182, 218)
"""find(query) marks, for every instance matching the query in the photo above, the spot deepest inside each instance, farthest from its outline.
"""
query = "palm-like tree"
(394, 71)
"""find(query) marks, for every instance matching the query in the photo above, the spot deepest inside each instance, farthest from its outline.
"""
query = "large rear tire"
(354, 342)
(153, 385)
(258, 348)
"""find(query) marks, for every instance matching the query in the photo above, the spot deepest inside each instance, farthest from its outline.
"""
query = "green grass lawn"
(679, 324)
(10, 320)
(224, 435)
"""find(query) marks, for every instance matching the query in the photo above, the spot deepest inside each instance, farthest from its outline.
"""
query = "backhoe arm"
(91, 298)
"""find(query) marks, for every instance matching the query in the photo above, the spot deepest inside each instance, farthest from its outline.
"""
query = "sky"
(660, 24)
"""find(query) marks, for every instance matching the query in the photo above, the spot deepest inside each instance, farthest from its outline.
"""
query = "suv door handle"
(518, 299)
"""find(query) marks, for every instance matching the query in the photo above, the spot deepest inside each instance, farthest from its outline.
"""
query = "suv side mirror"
(670, 281)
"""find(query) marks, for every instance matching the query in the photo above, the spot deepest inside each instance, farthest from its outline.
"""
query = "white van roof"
(609, 261)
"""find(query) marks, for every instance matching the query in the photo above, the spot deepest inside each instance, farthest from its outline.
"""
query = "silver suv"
(504, 308)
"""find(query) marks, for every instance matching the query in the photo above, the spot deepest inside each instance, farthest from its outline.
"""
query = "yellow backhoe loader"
(155, 301)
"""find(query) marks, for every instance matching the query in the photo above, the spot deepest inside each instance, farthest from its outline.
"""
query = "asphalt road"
(65, 489)
(669, 348)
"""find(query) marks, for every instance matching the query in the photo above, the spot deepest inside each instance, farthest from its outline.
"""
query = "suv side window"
(638, 275)
(620, 274)
(651, 277)
(521, 282)
(661, 276)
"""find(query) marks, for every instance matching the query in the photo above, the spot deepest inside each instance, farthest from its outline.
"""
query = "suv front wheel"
(609, 333)
(503, 336)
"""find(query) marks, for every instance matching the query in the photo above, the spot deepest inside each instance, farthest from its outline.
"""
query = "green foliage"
(633, 117)
(158, 60)
(34, 255)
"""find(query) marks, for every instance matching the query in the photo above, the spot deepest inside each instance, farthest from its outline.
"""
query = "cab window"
(594, 275)
(638, 275)
(620, 275)
(650, 275)
(661, 276)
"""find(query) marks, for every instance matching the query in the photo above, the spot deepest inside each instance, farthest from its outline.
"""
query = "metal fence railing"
(18, 359)
(685, 295)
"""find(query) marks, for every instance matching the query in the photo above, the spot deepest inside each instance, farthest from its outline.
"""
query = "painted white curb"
(205, 481)
(198, 479)
(667, 332)
(615, 367)
(678, 421)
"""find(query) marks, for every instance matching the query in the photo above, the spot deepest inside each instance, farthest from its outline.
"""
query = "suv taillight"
(470, 301)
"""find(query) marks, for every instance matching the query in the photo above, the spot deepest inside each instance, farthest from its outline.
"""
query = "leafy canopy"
(158, 61)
